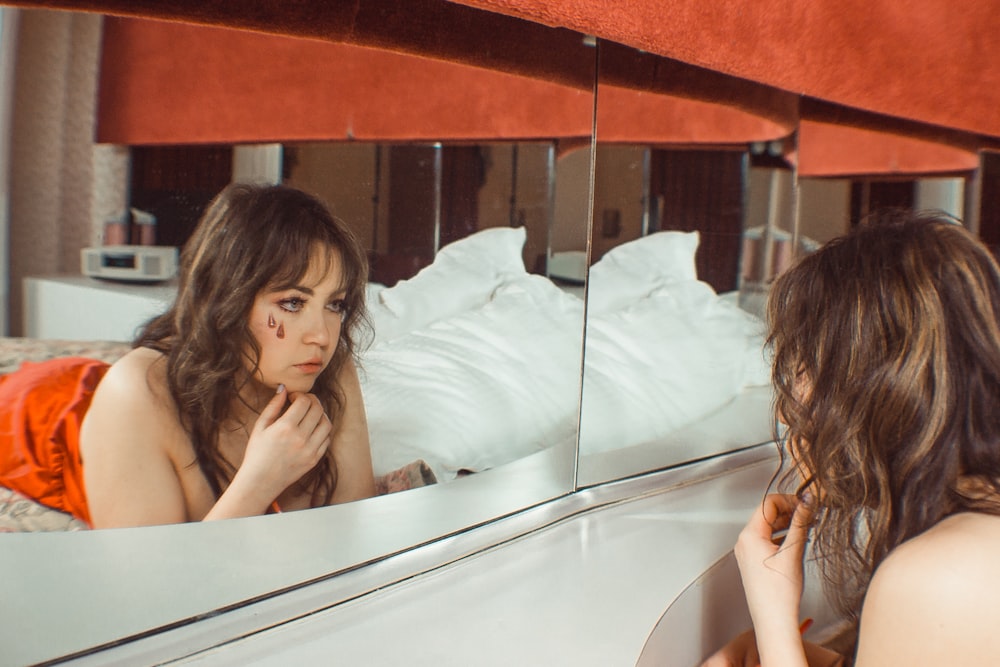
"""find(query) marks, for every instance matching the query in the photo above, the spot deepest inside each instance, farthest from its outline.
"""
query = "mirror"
(693, 217)
(853, 164)
(501, 343)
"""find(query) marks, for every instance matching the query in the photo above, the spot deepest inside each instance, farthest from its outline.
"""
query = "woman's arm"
(772, 578)
(350, 445)
(125, 443)
(742, 650)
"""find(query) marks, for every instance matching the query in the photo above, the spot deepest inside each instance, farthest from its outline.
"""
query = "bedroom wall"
(337, 172)
(8, 45)
(617, 188)
(572, 203)
(52, 152)
(531, 194)
(63, 186)
(824, 208)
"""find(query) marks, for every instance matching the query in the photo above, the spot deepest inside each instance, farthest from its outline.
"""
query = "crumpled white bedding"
(475, 362)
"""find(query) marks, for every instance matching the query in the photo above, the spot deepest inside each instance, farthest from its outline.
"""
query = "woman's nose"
(319, 329)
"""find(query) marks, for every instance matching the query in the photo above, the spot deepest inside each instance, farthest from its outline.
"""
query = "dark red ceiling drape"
(839, 141)
(164, 82)
(933, 61)
(827, 149)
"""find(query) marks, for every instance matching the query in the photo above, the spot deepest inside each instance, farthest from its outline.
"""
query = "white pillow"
(498, 248)
(480, 389)
(463, 276)
(633, 270)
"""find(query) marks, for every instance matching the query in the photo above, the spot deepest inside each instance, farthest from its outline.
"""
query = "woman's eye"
(339, 306)
(292, 304)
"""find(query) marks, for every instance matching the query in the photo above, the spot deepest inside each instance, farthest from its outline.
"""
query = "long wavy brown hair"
(249, 238)
(886, 367)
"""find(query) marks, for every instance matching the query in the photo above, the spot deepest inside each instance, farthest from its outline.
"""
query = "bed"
(664, 352)
(474, 340)
(474, 361)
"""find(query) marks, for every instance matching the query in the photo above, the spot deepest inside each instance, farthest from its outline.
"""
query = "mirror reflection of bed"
(474, 367)
(693, 196)
(474, 358)
(267, 556)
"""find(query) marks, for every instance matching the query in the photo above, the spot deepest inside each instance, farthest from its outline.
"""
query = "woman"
(243, 398)
(886, 367)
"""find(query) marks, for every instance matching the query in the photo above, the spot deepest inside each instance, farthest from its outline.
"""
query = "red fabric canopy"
(837, 141)
(827, 149)
(164, 82)
(934, 61)
(930, 61)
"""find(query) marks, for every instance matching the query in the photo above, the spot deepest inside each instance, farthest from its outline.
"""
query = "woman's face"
(297, 327)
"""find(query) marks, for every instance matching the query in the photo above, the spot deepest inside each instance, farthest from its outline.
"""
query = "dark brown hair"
(886, 367)
(249, 238)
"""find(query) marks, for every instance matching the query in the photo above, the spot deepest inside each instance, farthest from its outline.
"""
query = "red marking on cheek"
(270, 321)
(280, 333)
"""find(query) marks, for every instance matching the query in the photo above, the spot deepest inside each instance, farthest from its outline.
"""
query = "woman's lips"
(310, 366)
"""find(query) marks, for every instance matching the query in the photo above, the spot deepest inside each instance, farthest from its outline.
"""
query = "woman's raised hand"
(771, 569)
(285, 446)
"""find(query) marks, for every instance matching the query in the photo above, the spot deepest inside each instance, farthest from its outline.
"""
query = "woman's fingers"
(311, 420)
(272, 410)
(798, 529)
(775, 515)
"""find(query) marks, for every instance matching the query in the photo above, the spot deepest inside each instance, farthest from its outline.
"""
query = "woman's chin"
(299, 385)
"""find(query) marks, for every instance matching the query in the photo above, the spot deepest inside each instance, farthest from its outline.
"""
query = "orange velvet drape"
(164, 82)
(836, 141)
(934, 61)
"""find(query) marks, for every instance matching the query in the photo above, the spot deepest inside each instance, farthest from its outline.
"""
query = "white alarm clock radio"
(130, 263)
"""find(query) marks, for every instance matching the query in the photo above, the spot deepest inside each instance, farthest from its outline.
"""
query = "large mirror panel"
(473, 207)
(693, 217)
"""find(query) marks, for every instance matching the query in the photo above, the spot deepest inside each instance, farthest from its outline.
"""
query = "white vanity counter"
(582, 580)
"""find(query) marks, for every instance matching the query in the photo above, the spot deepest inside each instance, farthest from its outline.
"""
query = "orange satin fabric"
(42, 406)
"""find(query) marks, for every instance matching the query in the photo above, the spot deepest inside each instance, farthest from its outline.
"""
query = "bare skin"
(934, 601)
(936, 598)
(772, 582)
(139, 463)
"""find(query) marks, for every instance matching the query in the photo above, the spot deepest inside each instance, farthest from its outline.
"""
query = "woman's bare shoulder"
(133, 398)
(139, 375)
(936, 598)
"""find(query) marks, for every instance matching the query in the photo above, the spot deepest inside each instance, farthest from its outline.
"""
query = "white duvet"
(475, 362)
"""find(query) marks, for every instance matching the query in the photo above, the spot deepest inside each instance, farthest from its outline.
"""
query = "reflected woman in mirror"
(243, 398)
(886, 368)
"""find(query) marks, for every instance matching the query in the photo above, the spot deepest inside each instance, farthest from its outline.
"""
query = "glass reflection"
(461, 308)
(526, 324)
(691, 223)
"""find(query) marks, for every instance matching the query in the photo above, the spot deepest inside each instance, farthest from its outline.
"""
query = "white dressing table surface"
(64, 593)
(585, 591)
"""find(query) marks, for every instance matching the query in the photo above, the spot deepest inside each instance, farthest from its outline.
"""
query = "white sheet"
(473, 381)
(476, 386)
(663, 349)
